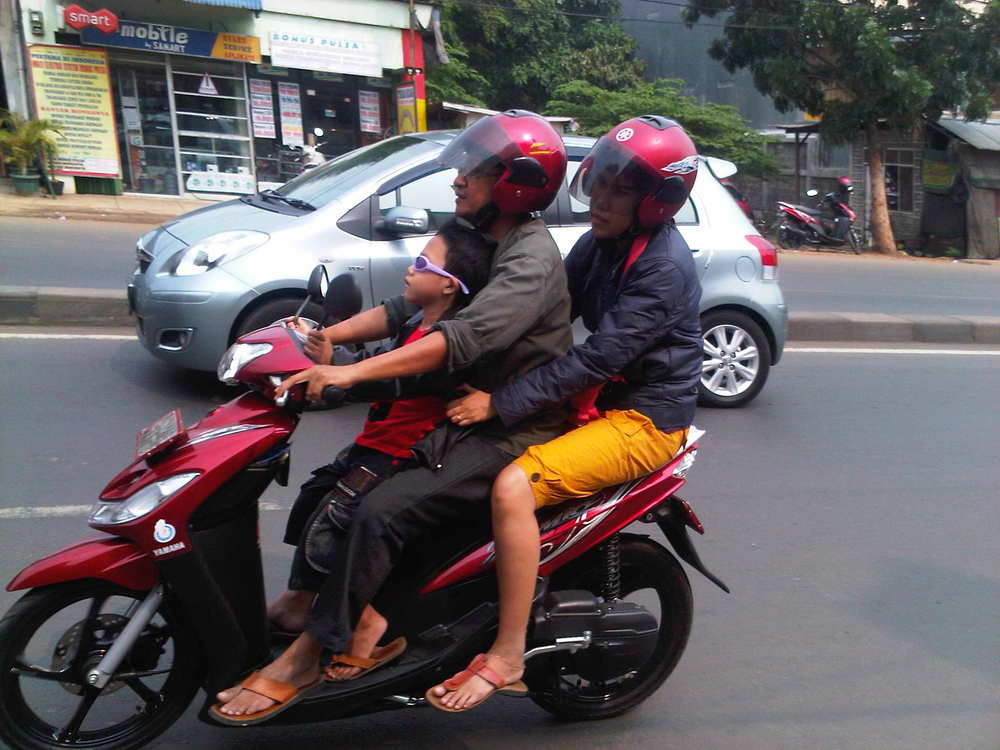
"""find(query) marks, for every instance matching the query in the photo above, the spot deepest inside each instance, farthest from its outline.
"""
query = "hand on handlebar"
(316, 379)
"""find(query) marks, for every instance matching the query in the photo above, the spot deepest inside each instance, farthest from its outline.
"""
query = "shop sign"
(334, 55)
(78, 18)
(406, 108)
(158, 37)
(271, 70)
(262, 108)
(368, 106)
(220, 182)
(72, 88)
(290, 106)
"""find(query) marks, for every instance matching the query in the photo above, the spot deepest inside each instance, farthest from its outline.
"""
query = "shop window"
(431, 192)
(899, 178)
(212, 124)
(834, 156)
(145, 132)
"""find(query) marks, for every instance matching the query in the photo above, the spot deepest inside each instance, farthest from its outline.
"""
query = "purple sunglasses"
(420, 263)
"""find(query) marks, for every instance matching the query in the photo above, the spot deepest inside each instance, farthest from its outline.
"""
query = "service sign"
(72, 88)
(158, 37)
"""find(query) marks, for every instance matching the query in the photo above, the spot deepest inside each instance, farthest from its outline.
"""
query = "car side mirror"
(404, 220)
(812, 192)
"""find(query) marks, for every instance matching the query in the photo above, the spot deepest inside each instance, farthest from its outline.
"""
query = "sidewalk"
(136, 209)
(65, 306)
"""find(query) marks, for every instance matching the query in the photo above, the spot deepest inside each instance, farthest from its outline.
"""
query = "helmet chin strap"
(483, 218)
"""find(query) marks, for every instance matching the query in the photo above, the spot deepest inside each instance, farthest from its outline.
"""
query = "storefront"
(203, 111)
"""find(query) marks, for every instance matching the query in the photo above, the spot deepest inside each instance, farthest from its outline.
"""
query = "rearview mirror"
(812, 192)
(318, 284)
(404, 220)
(343, 298)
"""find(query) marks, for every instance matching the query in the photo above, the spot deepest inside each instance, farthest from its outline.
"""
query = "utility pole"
(12, 58)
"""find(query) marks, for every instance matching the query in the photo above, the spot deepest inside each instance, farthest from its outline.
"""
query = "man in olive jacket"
(508, 165)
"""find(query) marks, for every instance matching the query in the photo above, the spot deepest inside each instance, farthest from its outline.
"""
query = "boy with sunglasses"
(450, 270)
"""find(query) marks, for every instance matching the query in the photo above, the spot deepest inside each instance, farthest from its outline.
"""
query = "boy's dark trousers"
(405, 507)
(314, 499)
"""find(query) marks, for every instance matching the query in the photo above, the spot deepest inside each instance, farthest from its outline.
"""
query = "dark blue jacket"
(646, 329)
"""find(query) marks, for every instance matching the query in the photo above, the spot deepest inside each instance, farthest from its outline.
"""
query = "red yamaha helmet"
(845, 185)
(652, 148)
(527, 149)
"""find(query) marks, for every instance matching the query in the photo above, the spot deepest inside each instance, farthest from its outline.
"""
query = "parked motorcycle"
(116, 635)
(830, 223)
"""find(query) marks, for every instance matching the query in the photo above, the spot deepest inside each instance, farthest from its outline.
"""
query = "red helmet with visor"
(651, 150)
(522, 149)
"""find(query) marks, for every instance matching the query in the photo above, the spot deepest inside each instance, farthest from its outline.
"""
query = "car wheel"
(736, 359)
(274, 310)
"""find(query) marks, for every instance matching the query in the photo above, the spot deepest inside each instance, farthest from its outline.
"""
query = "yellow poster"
(406, 108)
(73, 89)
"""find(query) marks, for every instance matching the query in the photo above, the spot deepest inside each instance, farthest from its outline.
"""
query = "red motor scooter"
(116, 635)
(831, 223)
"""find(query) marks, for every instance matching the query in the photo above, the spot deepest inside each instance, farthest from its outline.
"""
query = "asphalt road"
(101, 255)
(852, 509)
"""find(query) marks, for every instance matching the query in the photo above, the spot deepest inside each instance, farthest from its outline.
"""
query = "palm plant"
(21, 139)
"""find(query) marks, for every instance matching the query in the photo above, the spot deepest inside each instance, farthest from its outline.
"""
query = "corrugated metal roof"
(247, 4)
(981, 135)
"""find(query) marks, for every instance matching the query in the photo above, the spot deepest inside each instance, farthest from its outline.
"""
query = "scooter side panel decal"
(115, 560)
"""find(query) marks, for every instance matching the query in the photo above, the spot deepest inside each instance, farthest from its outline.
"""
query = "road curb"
(57, 306)
(61, 306)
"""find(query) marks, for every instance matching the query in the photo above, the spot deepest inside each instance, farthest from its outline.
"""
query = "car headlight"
(144, 501)
(236, 357)
(215, 250)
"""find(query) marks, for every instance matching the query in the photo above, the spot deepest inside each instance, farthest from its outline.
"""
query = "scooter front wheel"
(650, 576)
(53, 636)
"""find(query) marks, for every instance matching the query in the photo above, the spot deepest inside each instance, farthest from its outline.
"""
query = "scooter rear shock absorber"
(611, 586)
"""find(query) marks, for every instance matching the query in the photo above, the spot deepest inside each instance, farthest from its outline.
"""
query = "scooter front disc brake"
(65, 651)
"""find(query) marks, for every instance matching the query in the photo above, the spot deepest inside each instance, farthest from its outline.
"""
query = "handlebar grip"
(333, 396)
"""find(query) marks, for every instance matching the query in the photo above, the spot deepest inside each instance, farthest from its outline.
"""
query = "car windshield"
(323, 184)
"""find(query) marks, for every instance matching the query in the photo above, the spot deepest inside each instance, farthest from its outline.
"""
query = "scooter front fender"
(117, 560)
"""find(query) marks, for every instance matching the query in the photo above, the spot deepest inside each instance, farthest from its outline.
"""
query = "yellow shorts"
(618, 447)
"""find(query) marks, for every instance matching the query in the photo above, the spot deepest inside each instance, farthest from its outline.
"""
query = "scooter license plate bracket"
(161, 435)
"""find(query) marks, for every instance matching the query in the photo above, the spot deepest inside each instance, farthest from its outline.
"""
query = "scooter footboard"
(117, 560)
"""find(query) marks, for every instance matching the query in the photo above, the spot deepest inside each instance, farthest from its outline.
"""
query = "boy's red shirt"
(406, 422)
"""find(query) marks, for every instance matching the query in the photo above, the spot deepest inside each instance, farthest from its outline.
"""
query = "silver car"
(211, 275)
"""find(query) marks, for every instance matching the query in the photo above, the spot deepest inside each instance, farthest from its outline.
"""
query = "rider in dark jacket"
(633, 281)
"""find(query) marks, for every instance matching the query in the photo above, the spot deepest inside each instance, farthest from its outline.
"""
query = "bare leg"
(298, 665)
(515, 530)
(290, 611)
(365, 637)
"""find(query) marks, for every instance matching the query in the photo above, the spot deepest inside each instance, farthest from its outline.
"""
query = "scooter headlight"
(237, 357)
(146, 500)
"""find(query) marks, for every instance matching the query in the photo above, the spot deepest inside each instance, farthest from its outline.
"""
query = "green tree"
(864, 66)
(716, 129)
(514, 53)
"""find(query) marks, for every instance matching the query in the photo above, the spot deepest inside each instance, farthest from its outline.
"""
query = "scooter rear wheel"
(650, 576)
(66, 629)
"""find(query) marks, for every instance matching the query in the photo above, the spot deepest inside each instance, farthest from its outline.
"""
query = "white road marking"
(68, 336)
(938, 352)
(58, 511)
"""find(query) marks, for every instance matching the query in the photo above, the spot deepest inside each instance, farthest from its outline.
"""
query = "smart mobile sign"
(158, 37)
(72, 88)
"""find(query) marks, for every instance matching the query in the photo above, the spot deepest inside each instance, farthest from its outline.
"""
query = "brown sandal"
(380, 656)
(283, 694)
(477, 667)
